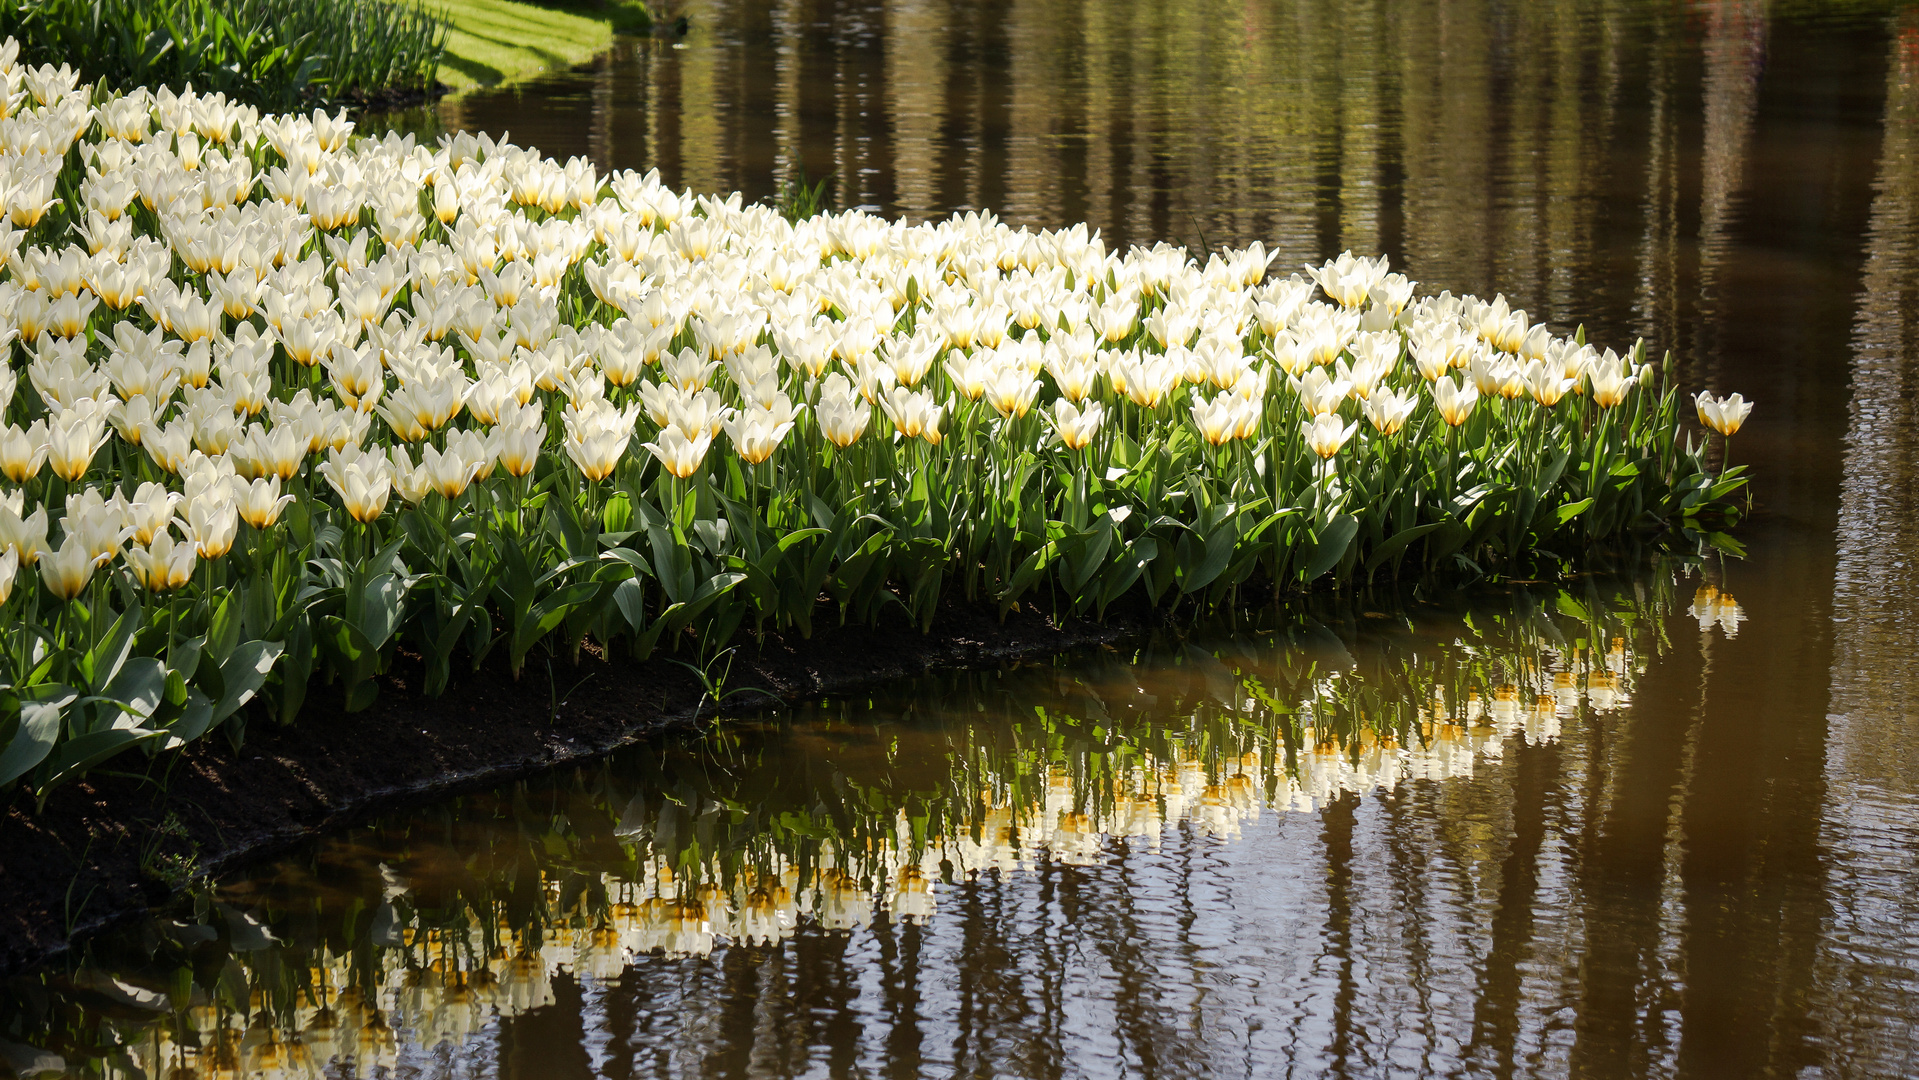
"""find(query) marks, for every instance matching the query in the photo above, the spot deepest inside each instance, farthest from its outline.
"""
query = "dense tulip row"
(282, 399)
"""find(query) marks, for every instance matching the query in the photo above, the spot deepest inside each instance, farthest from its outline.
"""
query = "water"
(1259, 854)
(1222, 849)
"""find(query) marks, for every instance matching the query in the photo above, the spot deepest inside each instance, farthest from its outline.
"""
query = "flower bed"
(283, 401)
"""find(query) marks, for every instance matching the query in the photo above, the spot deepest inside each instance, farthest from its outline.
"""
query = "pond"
(1659, 821)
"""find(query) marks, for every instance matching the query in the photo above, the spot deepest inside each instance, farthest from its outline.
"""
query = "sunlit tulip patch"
(284, 400)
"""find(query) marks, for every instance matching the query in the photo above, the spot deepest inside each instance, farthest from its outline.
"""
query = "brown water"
(1264, 854)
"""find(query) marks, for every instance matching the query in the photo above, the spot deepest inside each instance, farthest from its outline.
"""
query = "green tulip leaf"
(1331, 546)
(35, 732)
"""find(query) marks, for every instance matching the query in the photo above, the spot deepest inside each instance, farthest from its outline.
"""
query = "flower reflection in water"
(1714, 608)
(433, 928)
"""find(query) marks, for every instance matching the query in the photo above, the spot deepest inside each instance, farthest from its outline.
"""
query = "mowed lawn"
(496, 41)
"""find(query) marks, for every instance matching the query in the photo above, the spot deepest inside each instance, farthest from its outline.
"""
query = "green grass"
(500, 41)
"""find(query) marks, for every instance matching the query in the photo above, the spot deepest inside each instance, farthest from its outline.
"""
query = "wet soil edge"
(101, 849)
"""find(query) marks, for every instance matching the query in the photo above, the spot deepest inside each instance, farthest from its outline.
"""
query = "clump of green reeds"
(277, 54)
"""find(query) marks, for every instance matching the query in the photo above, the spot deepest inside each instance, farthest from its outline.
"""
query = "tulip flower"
(278, 452)
(1320, 393)
(875, 380)
(1077, 426)
(212, 525)
(1325, 436)
(260, 502)
(1146, 379)
(913, 413)
(104, 524)
(151, 511)
(1455, 401)
(25, 537)
(1218, 421)
(843, 418)
(214, 432)
(1611, 378)
(1724, 415)
(1323, 333)
(446, 198)
(448, 472)
(30, 313)
(482, 452)
(75, 436)
(1491, 371)
(363, 484)
(417, 410)
(969, 374)
(193, 318)
(1547, 382)
(1512, 383)
(32, 198)
(236, 293)
(756, 434)
(127, 119)
(356, 374)
(196, 364)
(912, 359)
(1290, 355)
(134, 377)
(307, 341)
(23, 451)
(118, 286)
(1011, 391)
(1389, 410)
(168, 446)
(520, 448)
(163, 565)
(752, 366)
(1348, 279)
(66, 571)
(688, 370)
(489, 396)
(692, 412)
(412, 482)
(678, 453)
(621, 363)
(131, 418)
(1077, 379)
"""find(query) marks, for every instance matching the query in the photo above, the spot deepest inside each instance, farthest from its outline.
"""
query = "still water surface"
(1619, 827)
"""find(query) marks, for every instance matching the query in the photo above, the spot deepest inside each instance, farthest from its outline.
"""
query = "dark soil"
(392, 98)
(109, 847)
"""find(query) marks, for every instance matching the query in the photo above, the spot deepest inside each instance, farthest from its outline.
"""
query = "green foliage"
(799, 200)
(276, 54)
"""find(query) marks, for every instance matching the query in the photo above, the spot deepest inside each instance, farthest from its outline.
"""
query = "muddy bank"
(112, 845)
